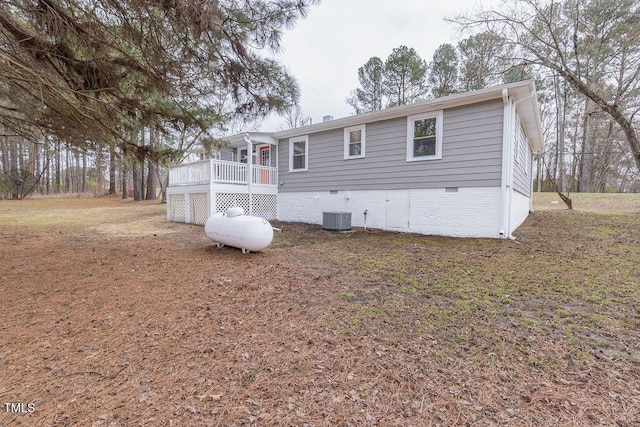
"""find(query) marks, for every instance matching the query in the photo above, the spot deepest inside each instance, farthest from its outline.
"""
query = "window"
(424, 136)
(298, 154)
(354, 142)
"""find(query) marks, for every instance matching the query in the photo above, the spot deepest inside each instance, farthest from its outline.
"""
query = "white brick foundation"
(469, 212)
(519, 209)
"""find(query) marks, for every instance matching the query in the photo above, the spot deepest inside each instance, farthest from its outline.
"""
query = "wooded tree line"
(91, 89)
(56, 167)
(585, 58)
(404, 77)
(82, 82)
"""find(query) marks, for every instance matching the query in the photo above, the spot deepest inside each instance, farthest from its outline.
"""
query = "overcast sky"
(325, 50)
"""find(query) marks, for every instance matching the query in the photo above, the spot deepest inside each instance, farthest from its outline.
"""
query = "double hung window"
(424, 136)
(354, 142)
(299, 154)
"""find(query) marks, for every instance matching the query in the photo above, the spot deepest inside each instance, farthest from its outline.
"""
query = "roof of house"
(522, 93)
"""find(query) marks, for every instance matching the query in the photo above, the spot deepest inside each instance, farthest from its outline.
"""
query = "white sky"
(325, 50)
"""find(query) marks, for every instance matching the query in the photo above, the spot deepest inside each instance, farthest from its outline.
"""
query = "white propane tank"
(234, 228)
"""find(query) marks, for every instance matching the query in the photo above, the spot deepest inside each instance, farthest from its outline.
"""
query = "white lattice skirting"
(175, 207)
(188, 207)
(263, 205)
(193, 208)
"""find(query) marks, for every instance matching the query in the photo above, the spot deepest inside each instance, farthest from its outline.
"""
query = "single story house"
(460, 165)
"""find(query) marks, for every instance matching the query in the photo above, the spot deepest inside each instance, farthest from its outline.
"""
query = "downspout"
(250, 170)
(531, 182)
(506, 127)
(212, 197)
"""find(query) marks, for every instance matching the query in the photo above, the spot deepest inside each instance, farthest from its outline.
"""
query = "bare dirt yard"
(111, 316)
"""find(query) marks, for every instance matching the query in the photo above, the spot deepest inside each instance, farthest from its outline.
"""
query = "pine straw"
(104, 329)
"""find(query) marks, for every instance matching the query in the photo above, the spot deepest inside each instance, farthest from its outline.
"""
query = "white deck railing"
(222, 172)
(190, 174)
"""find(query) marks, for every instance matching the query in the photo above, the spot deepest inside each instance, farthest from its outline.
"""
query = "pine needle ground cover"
(110, 316)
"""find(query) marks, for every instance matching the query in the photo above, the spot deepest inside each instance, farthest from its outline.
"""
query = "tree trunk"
(76, 174)
(125, 176)
(137, 178)
(152, 164)
(4, 145)
(47, 175)
(586, 160)
(137, 163)
(577, 155)
(163, 187)
(560, 135)
(32, 153)
(606, 160)
(15, 166)
(38, 171)
(112, 170)
(67, 171)
(13, 155)
(84, 171)
(613, 110)
(99, 175)
(58, 168)
(22, 163)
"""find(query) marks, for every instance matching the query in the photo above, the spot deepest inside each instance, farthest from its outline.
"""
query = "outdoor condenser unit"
(336, 221)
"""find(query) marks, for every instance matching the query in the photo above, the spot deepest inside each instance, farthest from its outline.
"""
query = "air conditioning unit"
(336, 221)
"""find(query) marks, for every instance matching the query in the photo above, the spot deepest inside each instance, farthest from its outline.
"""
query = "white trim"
(506, 161)
(257, 137)
(305, 139)
(438, 115)
(347, 141)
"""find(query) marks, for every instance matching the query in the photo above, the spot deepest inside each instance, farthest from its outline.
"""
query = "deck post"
(213, 175)
(250, 170)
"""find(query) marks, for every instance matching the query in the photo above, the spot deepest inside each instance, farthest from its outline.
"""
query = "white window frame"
(347, 141)
(438, 115)
(304, 139)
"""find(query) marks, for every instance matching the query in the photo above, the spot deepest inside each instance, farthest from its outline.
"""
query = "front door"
(265, 160)
(265, 156)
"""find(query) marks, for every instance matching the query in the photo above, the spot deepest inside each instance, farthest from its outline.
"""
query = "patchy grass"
(112, 316)
(612, 203)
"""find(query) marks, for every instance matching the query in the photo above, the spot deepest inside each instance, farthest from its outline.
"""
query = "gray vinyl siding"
(522, 167)
(471, 156)
(227, 154)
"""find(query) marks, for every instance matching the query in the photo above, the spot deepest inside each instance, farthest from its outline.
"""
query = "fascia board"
(255, 137)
